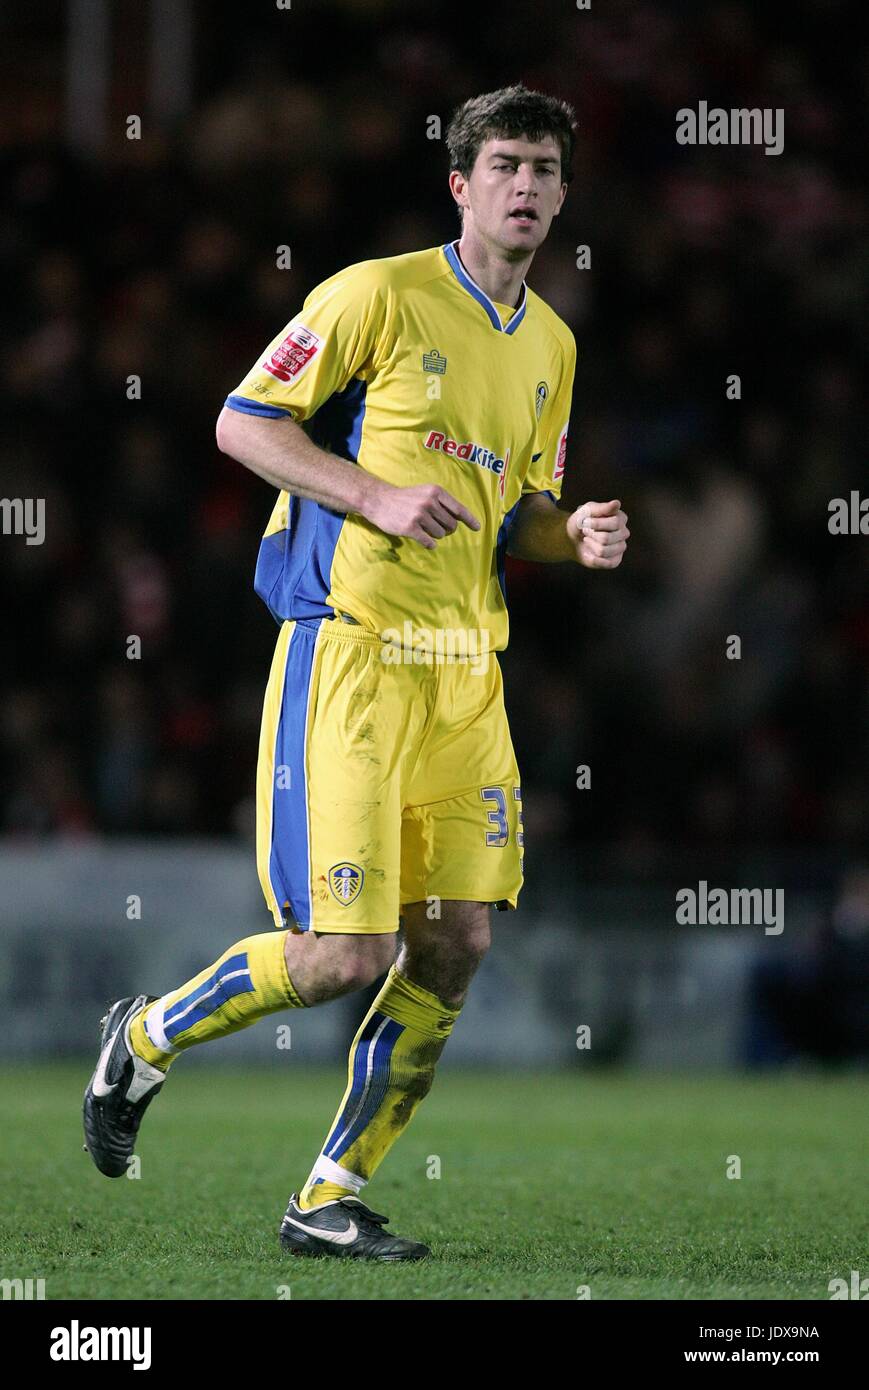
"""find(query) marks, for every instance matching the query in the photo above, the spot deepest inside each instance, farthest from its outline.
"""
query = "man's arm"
(595, 535)
(281, 452)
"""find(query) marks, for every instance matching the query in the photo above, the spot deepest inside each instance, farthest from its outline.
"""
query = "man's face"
(513, 193)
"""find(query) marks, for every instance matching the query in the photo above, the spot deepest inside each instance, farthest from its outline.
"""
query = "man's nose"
(526, 180)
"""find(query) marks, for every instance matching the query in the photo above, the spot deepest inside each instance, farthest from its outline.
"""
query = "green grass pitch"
(548, 1182)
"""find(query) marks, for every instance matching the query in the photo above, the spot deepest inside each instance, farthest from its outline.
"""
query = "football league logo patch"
(560, 456)
(345, 882)
(540, 397)
(293, 355)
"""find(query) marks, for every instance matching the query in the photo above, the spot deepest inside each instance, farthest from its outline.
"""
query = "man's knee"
(463, 937)
(327, 966)
(359, 962)
(475, 940)
(443, 956)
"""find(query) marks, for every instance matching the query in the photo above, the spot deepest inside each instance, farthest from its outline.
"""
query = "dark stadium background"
(308, 128)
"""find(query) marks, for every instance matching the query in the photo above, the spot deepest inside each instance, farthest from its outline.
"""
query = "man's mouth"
(524, 216)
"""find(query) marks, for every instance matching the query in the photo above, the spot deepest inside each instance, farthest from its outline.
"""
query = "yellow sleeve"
(338, 334)
(547, 460)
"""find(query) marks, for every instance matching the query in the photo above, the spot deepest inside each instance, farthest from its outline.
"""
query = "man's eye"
(500, 168)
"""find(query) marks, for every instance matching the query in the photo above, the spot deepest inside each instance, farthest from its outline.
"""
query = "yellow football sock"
(391, 1069)
(249, 981)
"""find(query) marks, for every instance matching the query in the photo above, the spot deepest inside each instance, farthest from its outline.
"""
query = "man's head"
(510, 154)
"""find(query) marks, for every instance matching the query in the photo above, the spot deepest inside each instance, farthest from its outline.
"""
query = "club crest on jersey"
(473, 453)
(345, 881)
(540, 397)
(294, 354)
(434, 361)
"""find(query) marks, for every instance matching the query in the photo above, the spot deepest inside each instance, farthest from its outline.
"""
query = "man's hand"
(425, 513)
(599, 534)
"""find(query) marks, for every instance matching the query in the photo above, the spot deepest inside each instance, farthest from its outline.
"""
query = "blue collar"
(481, 297)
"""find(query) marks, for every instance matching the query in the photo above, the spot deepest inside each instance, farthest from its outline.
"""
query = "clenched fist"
(599, 534)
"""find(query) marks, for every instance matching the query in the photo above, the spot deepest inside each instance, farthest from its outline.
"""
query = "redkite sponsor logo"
(473, 453)
(293, 355)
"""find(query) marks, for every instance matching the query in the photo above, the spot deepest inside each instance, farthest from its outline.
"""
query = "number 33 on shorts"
(498, 819)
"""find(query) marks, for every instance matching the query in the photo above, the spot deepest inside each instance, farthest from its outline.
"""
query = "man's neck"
(499, 278)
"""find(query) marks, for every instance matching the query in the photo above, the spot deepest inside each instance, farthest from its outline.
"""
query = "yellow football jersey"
(405, 367)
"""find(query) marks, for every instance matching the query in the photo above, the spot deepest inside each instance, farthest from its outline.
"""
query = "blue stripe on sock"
(360, 1061)
(366, 1070)
(218, 990)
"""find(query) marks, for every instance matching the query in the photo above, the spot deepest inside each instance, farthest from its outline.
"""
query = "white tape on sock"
(330, 1171)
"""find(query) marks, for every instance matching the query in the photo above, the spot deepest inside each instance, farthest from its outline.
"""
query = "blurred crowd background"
(308, 127)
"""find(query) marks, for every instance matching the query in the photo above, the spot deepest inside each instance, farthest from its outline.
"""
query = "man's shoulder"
(383, 274)
(555, 326)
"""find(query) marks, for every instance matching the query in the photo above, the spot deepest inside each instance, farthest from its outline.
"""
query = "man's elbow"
(225, 430)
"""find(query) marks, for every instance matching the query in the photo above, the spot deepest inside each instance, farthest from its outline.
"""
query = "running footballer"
(413, 417)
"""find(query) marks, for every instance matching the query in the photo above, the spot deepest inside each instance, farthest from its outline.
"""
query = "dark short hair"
(508, 114)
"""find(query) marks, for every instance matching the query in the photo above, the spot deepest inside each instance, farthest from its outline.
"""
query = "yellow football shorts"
(382, 780)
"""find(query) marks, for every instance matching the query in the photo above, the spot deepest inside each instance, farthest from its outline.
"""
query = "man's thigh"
(339, 729)
(462, 827)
